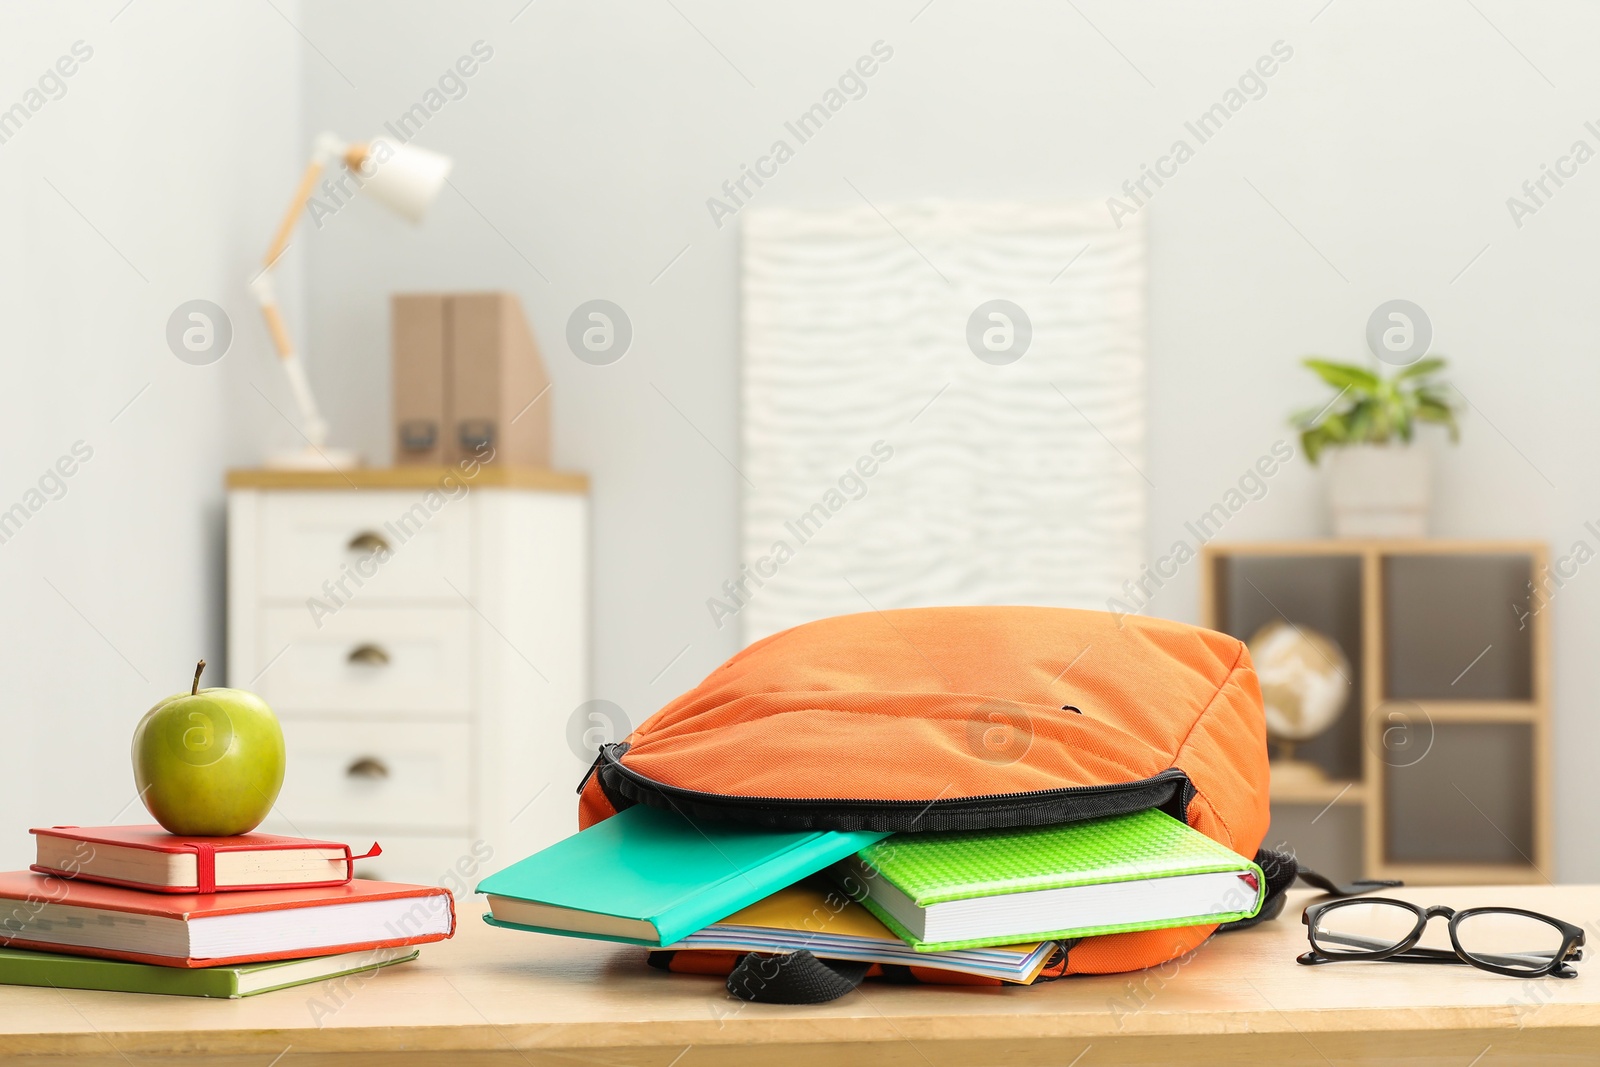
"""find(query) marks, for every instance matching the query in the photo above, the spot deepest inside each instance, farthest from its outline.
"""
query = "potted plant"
(1379, 480)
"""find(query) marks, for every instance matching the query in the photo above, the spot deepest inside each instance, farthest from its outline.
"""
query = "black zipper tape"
(1169, 791)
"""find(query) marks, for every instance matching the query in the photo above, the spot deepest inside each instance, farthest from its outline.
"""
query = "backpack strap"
(1283, 870)
(793, 978)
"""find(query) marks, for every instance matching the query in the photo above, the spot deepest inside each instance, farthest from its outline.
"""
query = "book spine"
(119, 977)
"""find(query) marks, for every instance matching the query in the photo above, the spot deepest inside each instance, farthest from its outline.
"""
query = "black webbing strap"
(800, 978)
(793, 978)
(1282, 870)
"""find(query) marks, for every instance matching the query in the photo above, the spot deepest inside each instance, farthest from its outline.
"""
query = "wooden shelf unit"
(1449, 782)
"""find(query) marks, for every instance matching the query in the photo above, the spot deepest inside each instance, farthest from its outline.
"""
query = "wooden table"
(500, 997)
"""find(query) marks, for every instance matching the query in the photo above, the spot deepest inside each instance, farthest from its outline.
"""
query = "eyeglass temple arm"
(1419, 955)
(1355, 940)
(1414, 956)
(1516, 963)
(1312, 959)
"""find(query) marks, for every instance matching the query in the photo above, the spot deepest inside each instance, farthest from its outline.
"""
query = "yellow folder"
(815, 915)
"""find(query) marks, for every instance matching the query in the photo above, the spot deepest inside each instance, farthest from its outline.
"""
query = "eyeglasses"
(1510, 941)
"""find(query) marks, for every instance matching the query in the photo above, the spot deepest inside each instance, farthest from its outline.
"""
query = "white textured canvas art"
(898, 451)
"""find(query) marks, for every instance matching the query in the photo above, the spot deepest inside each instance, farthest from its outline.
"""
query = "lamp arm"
(265, 292)
(302, 193)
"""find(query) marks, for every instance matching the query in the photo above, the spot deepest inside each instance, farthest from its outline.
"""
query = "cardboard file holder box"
(468, 381)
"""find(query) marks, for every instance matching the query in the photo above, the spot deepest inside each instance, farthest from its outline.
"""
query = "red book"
(149, 858)
(214, 929)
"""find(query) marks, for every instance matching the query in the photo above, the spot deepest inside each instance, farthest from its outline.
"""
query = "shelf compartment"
(1486, 653)
(1327, 841)
(1467, 800)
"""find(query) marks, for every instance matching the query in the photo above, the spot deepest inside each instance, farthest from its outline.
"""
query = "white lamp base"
(311, 459)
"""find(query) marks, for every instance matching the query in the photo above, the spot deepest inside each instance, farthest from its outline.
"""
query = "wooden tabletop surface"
(503, 997)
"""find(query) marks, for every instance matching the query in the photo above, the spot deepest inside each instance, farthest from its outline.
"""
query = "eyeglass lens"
(1360, 928)
(1505, 939)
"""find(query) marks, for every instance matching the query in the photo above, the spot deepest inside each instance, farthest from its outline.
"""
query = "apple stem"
(198, 667)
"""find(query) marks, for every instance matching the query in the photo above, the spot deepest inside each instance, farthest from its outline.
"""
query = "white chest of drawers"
(423, 638)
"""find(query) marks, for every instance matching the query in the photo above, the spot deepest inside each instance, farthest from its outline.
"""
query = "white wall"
(176, 141)
(1390, 141)
(587, 147)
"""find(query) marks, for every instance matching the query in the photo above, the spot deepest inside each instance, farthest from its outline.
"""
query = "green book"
(651, 877)
(20, 966)
(969, 889)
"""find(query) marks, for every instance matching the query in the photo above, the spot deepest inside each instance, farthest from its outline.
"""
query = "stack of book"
(1000, 904)
(136, 909)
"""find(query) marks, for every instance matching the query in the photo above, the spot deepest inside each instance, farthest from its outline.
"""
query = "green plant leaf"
(1405, 411)
(1311, 444)
(1429, 410)
(1344, 375)
(1305, 418)
(1420, 369)
(1359, 424)
(1427, 395)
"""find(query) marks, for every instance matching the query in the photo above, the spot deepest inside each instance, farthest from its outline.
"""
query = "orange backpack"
(967, 718)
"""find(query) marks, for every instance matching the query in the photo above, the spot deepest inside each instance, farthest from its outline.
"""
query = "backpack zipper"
(1170, 791)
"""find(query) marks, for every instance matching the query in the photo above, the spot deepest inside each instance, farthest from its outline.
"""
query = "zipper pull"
(594, 767)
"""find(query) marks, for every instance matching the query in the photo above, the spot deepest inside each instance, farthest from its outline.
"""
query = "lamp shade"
(402, 177)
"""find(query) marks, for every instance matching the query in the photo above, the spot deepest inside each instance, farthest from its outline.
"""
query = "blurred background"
(596, 150)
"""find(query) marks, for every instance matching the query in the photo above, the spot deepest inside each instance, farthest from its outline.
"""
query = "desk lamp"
(403, 178)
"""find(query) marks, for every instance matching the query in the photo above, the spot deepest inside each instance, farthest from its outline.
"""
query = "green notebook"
(25, 967)
(652, 877)
(969, 889)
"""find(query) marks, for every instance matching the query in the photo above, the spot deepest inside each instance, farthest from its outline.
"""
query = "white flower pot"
(1379, 490)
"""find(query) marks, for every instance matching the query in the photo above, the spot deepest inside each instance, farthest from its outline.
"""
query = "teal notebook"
(20, 966)
(651, 877)
(969, 889)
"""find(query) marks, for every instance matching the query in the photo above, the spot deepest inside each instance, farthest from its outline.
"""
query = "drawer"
(377, 776)
(366, 659)
(364, 546)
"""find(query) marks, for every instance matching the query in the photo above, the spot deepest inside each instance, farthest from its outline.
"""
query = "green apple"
(209, 762)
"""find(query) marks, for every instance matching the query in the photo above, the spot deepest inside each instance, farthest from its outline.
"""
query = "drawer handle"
(371, 655)
(367, 767)
(369, 543)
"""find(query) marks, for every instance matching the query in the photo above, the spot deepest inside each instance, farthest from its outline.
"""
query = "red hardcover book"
(149, 858)
(215, 929)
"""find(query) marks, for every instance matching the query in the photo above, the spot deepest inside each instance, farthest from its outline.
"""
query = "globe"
(1305, 681)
